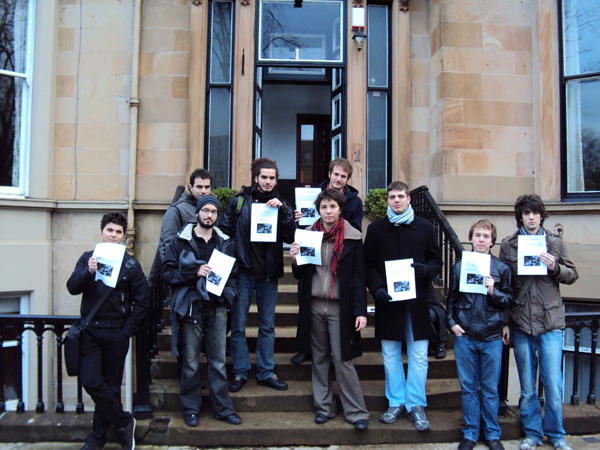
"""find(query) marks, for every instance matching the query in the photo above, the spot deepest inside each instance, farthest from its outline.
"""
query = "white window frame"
(22, 189)
(11, 405)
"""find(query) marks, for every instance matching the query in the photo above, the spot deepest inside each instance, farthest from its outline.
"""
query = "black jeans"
(103, 352)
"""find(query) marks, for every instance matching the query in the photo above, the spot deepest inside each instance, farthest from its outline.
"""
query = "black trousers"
(103, 352)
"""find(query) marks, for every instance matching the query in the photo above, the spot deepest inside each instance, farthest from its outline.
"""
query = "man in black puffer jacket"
(477, 321)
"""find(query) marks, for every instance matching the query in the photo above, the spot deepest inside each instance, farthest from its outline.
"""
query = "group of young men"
(194, 226)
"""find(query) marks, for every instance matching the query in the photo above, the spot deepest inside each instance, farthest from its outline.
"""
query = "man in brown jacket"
(537, 319)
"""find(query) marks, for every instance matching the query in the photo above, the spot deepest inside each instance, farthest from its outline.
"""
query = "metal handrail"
(426, 207)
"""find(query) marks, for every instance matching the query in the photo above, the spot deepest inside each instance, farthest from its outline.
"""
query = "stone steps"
(369, 367)
(441, 394)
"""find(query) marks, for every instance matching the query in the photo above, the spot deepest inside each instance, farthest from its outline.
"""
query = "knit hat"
(208, 199)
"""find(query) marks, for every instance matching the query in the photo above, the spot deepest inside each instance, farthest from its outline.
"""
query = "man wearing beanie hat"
(200, 314)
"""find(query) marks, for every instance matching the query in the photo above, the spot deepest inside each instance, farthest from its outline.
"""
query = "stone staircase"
(273, 417)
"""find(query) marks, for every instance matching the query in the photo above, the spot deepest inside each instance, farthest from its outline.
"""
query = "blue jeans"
(545, 349)
(409, 391)
(478, 364)
(213, 324)
(266, 299)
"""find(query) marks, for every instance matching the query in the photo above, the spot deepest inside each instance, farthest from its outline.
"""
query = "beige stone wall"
(93, 79)
(482, 125)
(164, 71)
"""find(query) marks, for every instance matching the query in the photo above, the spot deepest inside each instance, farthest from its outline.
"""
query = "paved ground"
(588, 442)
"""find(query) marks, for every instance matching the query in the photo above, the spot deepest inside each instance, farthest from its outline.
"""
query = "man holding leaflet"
(104, 343)
(537, 319)
(402, 235)
(200, 313)
(476, 319)
(260, 267)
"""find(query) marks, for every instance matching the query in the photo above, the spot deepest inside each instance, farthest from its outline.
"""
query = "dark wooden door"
(313, 149)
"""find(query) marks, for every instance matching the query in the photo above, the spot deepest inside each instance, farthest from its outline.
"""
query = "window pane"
(13, 35)
(581, 34)
(376, 140)
(377, 46)
(10, 113)
(310, 33)
(219, 135)
(583, 135)
(220, 59)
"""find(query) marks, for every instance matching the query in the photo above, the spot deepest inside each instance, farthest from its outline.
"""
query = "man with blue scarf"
(401, 235)
(537, 319)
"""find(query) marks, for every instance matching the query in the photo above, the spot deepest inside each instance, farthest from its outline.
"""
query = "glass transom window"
(310, 33)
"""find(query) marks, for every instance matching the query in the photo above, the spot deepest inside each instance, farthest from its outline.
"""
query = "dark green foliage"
(224, 195)
(376, 204)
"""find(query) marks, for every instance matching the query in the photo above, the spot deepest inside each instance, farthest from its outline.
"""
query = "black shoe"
(466, 444)
(299, 358)
(127, 436)
(494, 444)
(90, 446)
(273, 382)
(321, 418)
(231, 419)
(361, 425)
(236, 384)
(191, 420)
(440, 352)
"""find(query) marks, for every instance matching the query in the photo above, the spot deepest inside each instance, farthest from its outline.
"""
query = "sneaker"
(236, 384)
(127, 436)
(466, 444)
(528, 444)
(561, 444)
(494, 444)
(274, 383)
(392, 414)
(417, 415)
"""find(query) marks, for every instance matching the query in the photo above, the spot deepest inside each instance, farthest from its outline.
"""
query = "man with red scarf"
(402, 235)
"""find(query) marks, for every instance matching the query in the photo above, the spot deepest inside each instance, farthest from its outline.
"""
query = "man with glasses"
(199, 313)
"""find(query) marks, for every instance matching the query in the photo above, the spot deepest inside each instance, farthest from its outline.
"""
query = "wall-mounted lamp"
(359, 38)
(358, 26)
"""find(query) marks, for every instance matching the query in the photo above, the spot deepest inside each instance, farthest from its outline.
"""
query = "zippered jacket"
(481, 316)
(126, 305)
(541, 307)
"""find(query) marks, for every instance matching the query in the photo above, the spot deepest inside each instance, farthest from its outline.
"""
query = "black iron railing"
(577, 322)
(426, 207)
(13, 328)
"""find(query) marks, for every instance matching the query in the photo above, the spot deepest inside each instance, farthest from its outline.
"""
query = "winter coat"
(177, 215)
(126, 305)
(352, 296)
(541, 307)
(353, 208)
(386, 242)
(238, 227)
(184, 281)
(481, 316)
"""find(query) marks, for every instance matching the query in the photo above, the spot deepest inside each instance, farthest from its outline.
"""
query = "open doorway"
(313, 149)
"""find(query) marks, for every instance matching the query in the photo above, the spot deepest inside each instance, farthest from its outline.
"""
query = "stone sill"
(491, 208)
